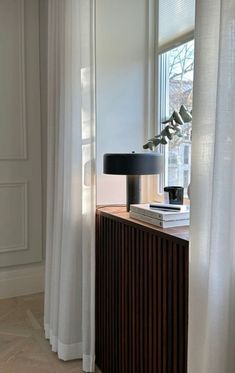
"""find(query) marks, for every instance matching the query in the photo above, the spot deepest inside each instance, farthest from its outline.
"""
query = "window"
(186, 154)
(176, 89)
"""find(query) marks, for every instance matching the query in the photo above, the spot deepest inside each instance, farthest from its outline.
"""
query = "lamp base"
(132, 190)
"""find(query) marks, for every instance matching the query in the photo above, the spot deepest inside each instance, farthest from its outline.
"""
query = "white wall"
(121, 32)
(121, 57)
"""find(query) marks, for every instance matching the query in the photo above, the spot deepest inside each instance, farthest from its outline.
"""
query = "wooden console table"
(141, 295)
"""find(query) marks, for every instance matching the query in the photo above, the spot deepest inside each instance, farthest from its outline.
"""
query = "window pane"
(180, 64)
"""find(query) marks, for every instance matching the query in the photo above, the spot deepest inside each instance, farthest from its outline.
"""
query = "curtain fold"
(70, 245)
(212, 262)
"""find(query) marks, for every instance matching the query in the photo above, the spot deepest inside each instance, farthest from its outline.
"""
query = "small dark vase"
(176, 194)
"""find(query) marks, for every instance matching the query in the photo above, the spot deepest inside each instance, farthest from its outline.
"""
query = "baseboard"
(22, 280)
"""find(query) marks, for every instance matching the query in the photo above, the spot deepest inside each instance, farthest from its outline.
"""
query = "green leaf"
(163, 141)
(146, 146)
(185, 114)
(149, 145)
(164, 132)
(156, 142)
(169, 134)
(168, 120)
(177, 117)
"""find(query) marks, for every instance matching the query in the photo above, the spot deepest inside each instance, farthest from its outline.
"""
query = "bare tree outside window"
(180, 75)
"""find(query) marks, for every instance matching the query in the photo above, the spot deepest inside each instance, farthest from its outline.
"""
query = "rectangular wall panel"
(12, 78)
(14, 221)
(20, 134)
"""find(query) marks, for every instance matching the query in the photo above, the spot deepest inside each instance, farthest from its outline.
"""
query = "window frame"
(162, 101)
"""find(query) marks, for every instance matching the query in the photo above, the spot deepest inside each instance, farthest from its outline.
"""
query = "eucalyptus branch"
(173, 128)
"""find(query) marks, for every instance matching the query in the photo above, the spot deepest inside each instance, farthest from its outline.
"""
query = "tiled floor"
(23, 348)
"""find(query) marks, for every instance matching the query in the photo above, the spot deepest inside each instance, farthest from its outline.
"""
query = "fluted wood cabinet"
(141, 295)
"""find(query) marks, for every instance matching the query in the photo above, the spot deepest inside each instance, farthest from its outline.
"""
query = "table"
(141, 295)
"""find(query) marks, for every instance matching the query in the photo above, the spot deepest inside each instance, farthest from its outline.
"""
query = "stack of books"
(161, 215)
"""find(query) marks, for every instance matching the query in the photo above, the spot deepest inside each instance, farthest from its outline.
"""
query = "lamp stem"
(132, 190)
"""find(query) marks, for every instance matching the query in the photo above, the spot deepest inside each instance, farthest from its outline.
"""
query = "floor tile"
(23, 347)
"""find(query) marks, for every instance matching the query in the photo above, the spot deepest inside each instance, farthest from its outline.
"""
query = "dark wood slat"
(134, 256)
(185, 302)
(175, 308)
(159, 309)
(150, 303)
(141, 305)
(145, 299)
(181, 314)
(123, 300)
(155, 306)
(169, 307)
(164, 245)
(137, 295)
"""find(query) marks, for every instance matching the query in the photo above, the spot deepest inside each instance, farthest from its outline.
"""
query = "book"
(168, 206)
(159, 214)
(157, 222)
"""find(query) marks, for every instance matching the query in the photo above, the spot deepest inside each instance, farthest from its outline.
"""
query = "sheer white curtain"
(70, 247)
(212, 263)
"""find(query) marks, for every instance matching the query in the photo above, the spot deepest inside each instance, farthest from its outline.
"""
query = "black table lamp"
(132, 165)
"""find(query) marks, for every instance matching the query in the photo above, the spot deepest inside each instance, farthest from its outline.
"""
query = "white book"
(159, 214)
(157, 222)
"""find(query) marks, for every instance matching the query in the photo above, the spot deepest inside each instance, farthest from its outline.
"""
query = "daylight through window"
(176, 89)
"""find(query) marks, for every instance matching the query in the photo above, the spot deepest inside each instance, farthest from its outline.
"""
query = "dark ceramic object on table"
(176, 194)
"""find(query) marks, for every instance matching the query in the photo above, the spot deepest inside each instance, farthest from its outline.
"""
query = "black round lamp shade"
(132, 163)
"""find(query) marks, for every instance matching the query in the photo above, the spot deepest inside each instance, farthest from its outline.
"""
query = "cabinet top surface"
(119, 213)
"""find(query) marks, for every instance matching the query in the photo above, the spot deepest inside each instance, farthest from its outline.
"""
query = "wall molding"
(24, 244)
(151, 68)
(22, 77)
(149, 183)
(22, 85)
(22, 280)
